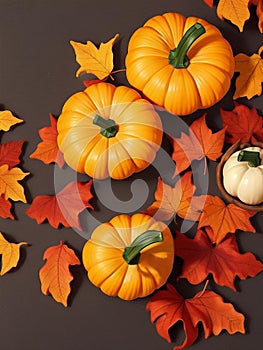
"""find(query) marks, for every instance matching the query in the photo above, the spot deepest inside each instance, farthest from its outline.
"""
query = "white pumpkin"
(243, 175)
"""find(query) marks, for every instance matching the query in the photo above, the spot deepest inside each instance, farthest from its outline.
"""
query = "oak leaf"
(7, 119)
(97, 61)
(55, 276)
(10, 153)
(222, 260)
(10, 254)
(235, 11)
(5, 207)
(242, 123)
(168, 307)
(9, 185)
(248, 83)
(178, 200)
(200, 143)
(224, 219)
(64, 207)
(48, 151)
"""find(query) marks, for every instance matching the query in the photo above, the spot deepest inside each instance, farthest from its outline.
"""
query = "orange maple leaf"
(10, 153)
(168, 307)
(224, 219)
(200, 143)
(248, 83)
(97, 61)
(259, 11)
(223, 260)
(178, 200)
(63, 208)
(242, 123)
(5, 207)
(235, 11)
(7, 119)
(55, 276)
(10, 254)
(210, 3)
(48, 151)
(9, 185)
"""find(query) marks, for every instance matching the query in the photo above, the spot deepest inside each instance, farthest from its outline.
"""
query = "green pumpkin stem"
(108, 126)
(178, 56)
(132, 253)
(252, 157)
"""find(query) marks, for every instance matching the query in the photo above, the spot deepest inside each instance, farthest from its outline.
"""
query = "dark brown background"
(37, 74)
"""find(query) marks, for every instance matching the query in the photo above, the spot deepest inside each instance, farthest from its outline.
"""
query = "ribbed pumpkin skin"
(133, 148)
(107, 269)
(179, 90)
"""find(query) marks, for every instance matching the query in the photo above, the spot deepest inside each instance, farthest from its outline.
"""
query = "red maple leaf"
(10, 153)
(5, 207)
(222, 260)
(199, 144)
(63, 208)
(48, 151)
(210, 3)
(168, 307)
(242, 124)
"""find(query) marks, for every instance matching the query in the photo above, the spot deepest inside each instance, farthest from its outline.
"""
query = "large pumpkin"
(130, 256)
(182, 64)
(108, 131)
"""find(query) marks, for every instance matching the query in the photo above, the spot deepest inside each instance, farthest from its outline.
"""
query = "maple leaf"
(236, 11)
(5, 207)
(224, 219)
(200, 143)
(259, 11)
(48, 151)
(210, 3)
(55, 276)
(10, 254)
(223, 260)
(242, 124)
(7, 119)
(9, 185)
(178, 200)
(10, 153)
(64, 207)
(248, 83)
(97, 61)
(168, 307)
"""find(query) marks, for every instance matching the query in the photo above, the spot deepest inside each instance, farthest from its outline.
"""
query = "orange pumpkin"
(108, 131)
(130, 256)
(181, 64)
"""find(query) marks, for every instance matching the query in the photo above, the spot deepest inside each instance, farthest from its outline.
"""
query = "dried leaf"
(10, 153)
(63, 208)
(178, 200)
(97, 61)
(7, 119)
(235, 11)
(224, 219)
(55, 276)
(48, 151)
(9, 185)
(168, 307)
(248, 83)
(10, 254)
(222, 260)
(200, 143)
(242, 124)
(5, 207)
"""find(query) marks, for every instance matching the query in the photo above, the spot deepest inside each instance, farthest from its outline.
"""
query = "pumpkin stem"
(252, 157)
(132, 253)
(108, 126)
(178, 56)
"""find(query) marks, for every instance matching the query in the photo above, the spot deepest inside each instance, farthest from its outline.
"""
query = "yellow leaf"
(248, 83)
(9, 185)
(7, 120)
(235, 11)
(10, 254)
(97, 61)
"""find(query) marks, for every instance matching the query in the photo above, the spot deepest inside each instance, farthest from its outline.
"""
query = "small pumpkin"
(108, 131)
(181, 64)
(130, 256)
(243, 175)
